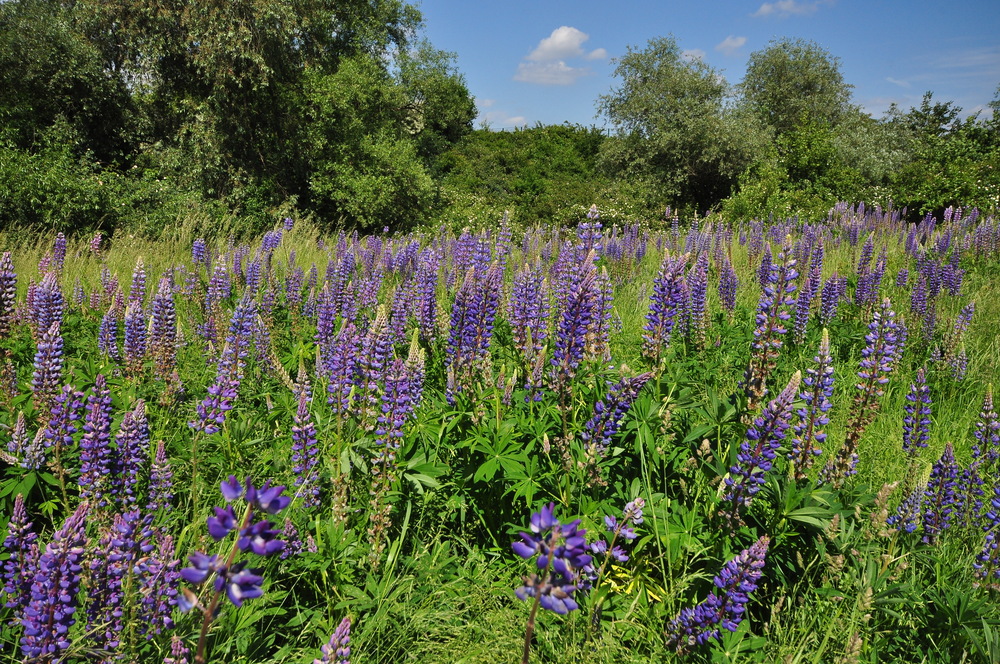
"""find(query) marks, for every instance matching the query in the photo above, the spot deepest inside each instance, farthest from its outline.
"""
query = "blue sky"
(547, 61)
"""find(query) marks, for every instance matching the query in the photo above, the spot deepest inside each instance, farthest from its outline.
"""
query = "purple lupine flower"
(941, 499)
(219, 286)
(610, 411)
(571, 330)
(987, 433)
(403, 301)
(161, 484)
(8, 294)
(107, 335)
(221, 394)
(624, 529)
(812, 419)
(95, 244)
(46, 305)
(137, 292)
(289, 223)
(133, 450)
(59, 251)
(95, 446)
(830, 297)
(561, 551)
(902, 278)
(199, 253)
(802, 307)
(305, 452)
(758, 451)
(159, 578)
(135, 339)
(371, 367)
(48, 367)
(49, 614)
(123, 544)
(987, 565)
(696, 310)
(397, 404)
(764, 269)
(729, 283)
(917, 420)
(427, 284)
(18, 443)
(338, 650)
(878, 359)
(772, 312)
(19, 568)
(163, 329)
(664, 306)
(724, 607)
(907, 516)
(338, 361)
(528, 311)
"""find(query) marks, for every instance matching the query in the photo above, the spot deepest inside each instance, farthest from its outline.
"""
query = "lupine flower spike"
(560, 552)
(725, 606)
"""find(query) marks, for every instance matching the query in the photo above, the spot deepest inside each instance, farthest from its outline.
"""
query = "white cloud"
(549, 73)
(546, 64)
(730, 44)
(501, 119)
(564, 42)
(784, 8)
(895, 81)
(484, 103)
(691, 54)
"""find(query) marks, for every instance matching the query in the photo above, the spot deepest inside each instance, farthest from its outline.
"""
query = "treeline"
(787, 140)
(137, 113)
(134, 111)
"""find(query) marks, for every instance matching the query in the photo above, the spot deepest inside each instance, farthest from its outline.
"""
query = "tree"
(793, 78)
(673, 132)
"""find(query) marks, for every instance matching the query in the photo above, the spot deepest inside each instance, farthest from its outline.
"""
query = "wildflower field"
(702, 440)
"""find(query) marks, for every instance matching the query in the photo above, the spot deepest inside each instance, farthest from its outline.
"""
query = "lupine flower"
(758, 451)
(18, 443)
(813, 418)
(723, 607)
(163, 330)
(609, 412)
(161, 483)
(664, 306)
(137, 292)
(133, 450)
(237, 581)
(571, 330)
(940, 497)
(338, 650)
(427, 283)
(49, 614)
(46, 305)
(624, 529)
(107, 335)
(304, 454)
(832, 293)
(987, 432)
(878, 359)
(907, 516)
(135, 339)
(696, 310)
(772, 311)
(917, 421)
(48, 367)
(221, 394)
(8, 294)
(528, 311)
(19, 568)
(561, 551)
(178, 651)
(397, 404)
(59, 251)
(338, 361)
(987, 565)
(729, 283)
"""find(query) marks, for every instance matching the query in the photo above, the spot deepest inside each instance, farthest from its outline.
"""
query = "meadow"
(696, 440)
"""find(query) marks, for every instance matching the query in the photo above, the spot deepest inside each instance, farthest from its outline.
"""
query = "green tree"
(675, 139)
(793, 78)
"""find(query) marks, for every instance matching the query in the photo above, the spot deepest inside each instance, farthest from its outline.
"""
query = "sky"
(547, 61)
